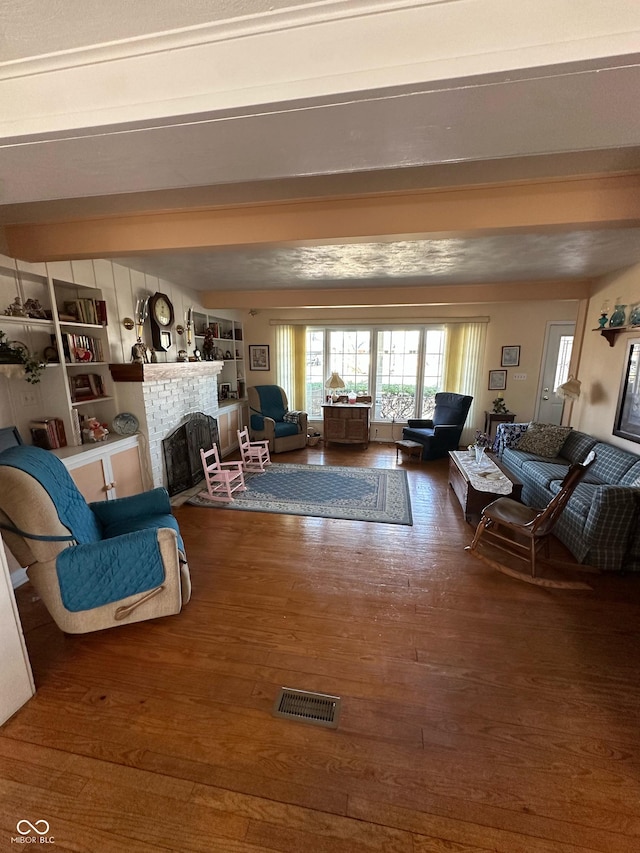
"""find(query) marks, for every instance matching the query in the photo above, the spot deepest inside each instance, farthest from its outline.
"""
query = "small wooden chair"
(223, 478)
(523, 531)
(255, 454)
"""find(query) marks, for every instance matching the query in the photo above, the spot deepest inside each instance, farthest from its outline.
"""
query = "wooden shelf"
(611, 332)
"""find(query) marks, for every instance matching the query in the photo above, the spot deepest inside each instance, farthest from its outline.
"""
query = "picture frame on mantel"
(627, 422)
(259, 357)
(497, 380)
(510, 356)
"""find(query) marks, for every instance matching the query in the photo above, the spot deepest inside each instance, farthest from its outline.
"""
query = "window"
(434, 343)
(396, 374)
(564, 359)
(402, 369)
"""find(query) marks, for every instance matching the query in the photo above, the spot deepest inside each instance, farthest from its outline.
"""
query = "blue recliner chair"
(272, 421)
(441, 433)
(93, 565)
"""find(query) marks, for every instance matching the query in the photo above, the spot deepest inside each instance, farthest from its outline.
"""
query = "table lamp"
(334, 382)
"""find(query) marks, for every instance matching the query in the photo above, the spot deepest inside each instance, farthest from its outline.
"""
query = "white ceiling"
(554, 121)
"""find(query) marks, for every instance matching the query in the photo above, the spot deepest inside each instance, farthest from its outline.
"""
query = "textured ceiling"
(513, 257)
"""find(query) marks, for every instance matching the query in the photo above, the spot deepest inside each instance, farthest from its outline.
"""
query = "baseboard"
(18, 577)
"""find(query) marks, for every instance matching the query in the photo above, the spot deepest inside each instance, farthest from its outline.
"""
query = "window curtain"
(290, 363)
(463, 369)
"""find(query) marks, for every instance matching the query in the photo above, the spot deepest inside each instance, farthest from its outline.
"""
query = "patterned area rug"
(324, 491)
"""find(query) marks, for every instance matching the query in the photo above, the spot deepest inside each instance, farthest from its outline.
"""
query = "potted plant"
(12, 354)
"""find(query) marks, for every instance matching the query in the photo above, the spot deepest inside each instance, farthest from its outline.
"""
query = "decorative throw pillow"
(544, 439)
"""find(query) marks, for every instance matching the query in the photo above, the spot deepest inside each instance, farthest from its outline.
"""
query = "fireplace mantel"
(136, 372)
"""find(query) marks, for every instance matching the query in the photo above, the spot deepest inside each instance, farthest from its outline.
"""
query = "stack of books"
(48, 433)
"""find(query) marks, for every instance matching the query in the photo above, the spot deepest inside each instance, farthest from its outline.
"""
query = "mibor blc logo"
(33, 833)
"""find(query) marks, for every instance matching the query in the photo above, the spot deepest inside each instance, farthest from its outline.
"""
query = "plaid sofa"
(601, 523)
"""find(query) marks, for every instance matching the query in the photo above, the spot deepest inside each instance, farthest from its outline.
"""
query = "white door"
(16, 681)
(555, 371)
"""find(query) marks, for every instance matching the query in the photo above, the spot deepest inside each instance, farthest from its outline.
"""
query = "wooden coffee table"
(472, 500)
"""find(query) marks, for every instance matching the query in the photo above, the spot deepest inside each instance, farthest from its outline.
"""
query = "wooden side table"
(346, 423)
(491, 419)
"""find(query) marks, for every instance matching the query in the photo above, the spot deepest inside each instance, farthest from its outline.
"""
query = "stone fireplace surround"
(162, 396)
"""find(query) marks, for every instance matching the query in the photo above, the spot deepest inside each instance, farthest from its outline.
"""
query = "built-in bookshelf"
(65, 324)
(219, 339)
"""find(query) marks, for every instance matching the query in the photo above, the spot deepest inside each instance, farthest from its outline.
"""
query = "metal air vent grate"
(319, 709)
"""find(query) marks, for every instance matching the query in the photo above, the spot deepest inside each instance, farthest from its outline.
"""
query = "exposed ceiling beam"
(588, 202)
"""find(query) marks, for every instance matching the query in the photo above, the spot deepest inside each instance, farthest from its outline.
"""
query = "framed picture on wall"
(510, 356)
(497, 380)
(259, 357)
(627, 423)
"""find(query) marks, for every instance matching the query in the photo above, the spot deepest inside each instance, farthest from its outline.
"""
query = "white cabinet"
(105, 470)
(231, 417)
(71, 339)
(226, 339)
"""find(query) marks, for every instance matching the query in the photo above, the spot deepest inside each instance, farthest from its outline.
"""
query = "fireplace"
(161, 396)
(181, 449)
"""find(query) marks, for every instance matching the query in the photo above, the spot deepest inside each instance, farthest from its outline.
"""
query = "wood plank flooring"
(479, 713)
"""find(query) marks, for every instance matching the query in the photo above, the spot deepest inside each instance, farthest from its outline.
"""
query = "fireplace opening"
(181, 449)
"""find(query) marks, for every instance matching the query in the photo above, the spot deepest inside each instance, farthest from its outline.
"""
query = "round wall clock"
(161, 315)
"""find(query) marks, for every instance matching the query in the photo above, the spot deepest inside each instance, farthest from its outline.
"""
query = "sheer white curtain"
(290, 363)
(465, 352)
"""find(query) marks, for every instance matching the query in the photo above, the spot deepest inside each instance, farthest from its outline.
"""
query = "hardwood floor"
(479, 713)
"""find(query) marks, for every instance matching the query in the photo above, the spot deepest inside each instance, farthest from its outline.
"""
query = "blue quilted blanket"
(103, 567)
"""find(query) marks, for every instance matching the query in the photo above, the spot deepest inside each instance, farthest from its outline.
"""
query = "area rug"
(324, 491)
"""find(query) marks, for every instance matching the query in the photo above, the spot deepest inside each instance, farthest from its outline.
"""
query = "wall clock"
(161, 315)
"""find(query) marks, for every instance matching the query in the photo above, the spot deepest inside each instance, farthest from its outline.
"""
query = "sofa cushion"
(611, 464)
(577, 445)
(544, 439)
(632, 477)
(544, 473)
(514, 458)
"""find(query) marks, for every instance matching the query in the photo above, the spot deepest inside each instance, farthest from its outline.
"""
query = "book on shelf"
(79, 349)
(90, 311)
(86, 386)
(48, 433)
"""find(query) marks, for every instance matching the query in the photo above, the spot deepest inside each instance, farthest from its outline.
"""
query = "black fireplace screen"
(181, 450)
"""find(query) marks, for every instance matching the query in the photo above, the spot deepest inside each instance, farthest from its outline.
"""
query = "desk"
(491, 418)
(346, 423)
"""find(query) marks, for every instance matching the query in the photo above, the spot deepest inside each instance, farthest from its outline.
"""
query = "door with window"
(555, 371)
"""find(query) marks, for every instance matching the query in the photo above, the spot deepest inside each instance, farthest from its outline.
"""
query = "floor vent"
(315, 708)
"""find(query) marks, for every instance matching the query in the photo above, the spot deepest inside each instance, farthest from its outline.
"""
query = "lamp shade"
(569, 390)
(334, 381)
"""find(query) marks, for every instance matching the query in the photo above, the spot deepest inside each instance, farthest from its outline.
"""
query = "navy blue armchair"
(441, 433)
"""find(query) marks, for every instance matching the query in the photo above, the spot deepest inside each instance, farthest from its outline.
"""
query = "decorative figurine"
(208, 346)
(16, 309)
(35, 310)
(139, 353)
(93, 430)
(154, 356)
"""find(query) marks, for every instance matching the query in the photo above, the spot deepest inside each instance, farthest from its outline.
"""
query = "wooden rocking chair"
(523, 531)
(255, 454)
(223, 478)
